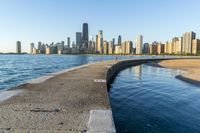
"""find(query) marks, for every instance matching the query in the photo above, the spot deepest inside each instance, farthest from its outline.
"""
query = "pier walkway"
(62, 103)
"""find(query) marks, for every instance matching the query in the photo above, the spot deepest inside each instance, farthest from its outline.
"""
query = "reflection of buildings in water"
(138, 72)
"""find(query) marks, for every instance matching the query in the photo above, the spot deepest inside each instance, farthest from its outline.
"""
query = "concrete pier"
(75, 100)
(72, 101)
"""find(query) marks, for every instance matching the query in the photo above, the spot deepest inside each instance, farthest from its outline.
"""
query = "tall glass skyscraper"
(18, 47)
(85, 35)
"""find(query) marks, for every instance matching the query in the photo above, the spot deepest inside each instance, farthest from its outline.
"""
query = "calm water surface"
(17, 69)
(147, 99)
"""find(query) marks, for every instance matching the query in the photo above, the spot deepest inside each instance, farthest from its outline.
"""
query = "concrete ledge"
(121, 65)
(101, 121)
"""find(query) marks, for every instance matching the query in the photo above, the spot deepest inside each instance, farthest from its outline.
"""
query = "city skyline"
(187, 44)
(54, 21)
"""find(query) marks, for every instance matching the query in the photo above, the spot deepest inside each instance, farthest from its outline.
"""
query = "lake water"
(17, 69)
(148, 99)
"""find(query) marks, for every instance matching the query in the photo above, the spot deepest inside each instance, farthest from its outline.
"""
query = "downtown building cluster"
(84, 45)
(188, 44)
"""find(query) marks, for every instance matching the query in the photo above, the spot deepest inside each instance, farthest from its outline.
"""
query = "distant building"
(153, 49)
(146, 48)
(78, 39)
(123, 48)
(35, 51)
(110, 48)
(195, 46)
(18, 47)
(99, 42)
(127, 47)
(187, 42)
(139, 42)
(105, 47)
(178, 45)
(68, 42)
(62, 45)
(50, 50)
(113, 41)
(119, 40)
(160, 48)
(117, 49)
(31, 48)
(85, 37)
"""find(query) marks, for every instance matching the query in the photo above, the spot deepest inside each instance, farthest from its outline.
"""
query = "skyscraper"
(187, 42)
(31, 48)
(62, 45)
(78, 39)
(68, 42)
(18, 47)
(119, 40)
(99, 43)
(113, 41)
(139, 42)
(85, 37)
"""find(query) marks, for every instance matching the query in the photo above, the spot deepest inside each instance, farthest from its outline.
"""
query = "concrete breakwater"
(70, 101)
(121, 65)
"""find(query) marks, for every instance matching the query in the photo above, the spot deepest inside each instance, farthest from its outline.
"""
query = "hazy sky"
(55, 20)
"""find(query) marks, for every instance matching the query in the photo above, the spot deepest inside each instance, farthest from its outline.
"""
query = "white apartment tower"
(139, 42)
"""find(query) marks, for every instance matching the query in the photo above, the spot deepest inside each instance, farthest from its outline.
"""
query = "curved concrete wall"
(121, 65)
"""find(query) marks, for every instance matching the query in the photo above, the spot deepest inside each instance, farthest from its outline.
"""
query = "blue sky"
(55, 20)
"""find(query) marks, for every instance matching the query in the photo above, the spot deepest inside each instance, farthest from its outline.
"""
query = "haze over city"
(54, 21)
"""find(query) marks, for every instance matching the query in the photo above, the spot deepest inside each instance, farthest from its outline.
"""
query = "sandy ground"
(59, 104)
(190, 66)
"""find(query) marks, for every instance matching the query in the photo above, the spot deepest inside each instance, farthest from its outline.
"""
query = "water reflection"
(138, 72)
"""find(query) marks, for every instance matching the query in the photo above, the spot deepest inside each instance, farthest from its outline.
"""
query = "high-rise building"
(195, 46)
(126, 47)
(18, 47)
(153, 49)
(174, 44)
(62, 46)
(99, 43)
(85, 37)
(119, 40)
(39, 45)
(31, 48)
(146, 48)
(139, 42)
(68, 42)
(187, 42)
(78, 39)
(129, 47)
(160, 48)
(118, 49)
(113, 45)
(105, 47)
(123, 47)
(168, 48)
(113, 41)
(110, 48)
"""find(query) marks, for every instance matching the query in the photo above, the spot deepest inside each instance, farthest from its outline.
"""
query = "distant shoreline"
(191, 67)
(25, 53)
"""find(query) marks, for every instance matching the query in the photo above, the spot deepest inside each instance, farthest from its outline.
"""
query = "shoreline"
(190, 67)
